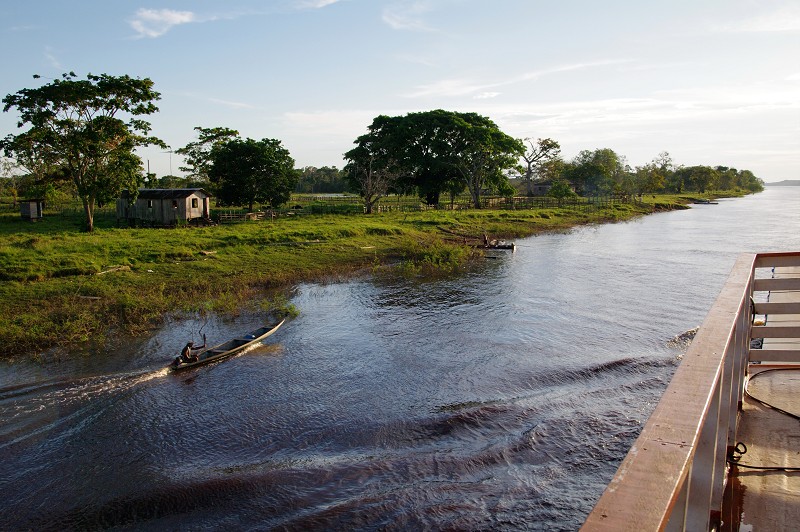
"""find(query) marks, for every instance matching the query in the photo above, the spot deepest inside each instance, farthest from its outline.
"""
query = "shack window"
(194, 203)
(149, 204)
(174, 204)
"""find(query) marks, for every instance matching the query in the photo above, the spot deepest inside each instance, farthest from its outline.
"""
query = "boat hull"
(229, 348)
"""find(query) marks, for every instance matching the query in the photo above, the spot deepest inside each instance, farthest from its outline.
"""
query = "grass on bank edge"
(64, 287)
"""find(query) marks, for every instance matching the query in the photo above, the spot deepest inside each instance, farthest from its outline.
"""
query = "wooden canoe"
(226, 349)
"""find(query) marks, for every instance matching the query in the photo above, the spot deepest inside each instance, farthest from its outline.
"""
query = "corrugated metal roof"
(166, 193)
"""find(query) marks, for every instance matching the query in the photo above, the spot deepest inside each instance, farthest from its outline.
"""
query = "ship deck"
(769, 499)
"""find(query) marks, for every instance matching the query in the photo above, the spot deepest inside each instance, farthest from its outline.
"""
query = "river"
(500, 399)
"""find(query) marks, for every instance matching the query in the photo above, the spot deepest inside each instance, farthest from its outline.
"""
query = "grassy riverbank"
(63, 287)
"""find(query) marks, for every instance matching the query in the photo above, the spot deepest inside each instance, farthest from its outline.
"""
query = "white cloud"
(51, 58)
(448, 87)
(785, 19)
(24, 28)
(417, 59)
(156, 22)
(351, 123)
(663, 119)
(315, 4)
(463, 87)
(320, 138)
(407, 16)
(232, 104)
(486, 95)
(565, 68)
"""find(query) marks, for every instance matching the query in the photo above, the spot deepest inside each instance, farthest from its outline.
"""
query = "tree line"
(82, 135)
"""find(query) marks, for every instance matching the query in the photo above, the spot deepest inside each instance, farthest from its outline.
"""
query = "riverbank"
(62, 287)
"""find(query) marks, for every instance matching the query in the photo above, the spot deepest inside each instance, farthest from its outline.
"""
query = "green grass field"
(63, 286)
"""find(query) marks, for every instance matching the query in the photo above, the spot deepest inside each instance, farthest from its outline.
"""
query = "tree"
(248, 171)
(198, 153)
(726, 177)
(9, 179)
(748, 181)
(37, 170)
(601, 170)
(411, 143)
(561, 190)
(371, 168)
(325, 180)
(432, 152)
(75, 132)
(169, 181)
(444, 151)
(702, 178)
(677, 180)
(480, 152)
(552, 169)
(653, 176)
(372, 178)
(421, 143)
(536, 156)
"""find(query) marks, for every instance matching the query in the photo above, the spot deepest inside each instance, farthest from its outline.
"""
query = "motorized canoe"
(226, 349)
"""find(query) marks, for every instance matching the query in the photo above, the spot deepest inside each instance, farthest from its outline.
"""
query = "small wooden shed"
(31, 209)
(541, 188)
(164, 206)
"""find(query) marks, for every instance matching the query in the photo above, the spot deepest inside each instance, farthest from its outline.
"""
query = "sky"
(711, 82)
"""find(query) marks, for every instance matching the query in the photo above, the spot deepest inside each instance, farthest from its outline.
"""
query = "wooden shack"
(164, 206)
(541, 188)
(31, 209)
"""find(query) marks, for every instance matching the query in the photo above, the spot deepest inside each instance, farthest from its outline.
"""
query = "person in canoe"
(189, 352)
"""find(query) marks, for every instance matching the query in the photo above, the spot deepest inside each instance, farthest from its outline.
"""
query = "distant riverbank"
(785, 183)
(64, 288)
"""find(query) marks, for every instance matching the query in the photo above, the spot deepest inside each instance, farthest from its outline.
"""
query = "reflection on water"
(498, 399)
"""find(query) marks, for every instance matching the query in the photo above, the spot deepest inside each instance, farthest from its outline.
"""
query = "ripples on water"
(499, 399)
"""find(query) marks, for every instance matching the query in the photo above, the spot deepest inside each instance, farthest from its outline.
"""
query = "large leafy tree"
(434, 152)
(726, 177)
(730, 178)
(76, 131)
(702, 178)
(324, 180)
(598, 171)
(245, 172)
(653, 176)
(747, 180)
(421, 142)
(482, 153)
(197, 154)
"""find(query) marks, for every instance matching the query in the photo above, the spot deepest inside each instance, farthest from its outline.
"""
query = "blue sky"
(709, 81)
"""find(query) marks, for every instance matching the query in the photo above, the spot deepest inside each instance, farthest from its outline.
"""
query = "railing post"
(677, 518)
(703, 463)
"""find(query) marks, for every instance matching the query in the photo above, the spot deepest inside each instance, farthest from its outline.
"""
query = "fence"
(341, 204)
(303, 204)
(72, 209)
